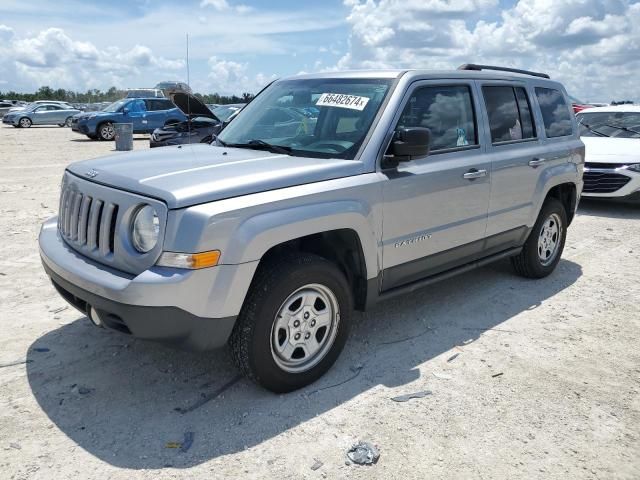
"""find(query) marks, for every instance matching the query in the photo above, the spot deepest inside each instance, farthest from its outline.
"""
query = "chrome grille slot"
(84, 220)
(94, 218)
(105, 228)
(75, 212)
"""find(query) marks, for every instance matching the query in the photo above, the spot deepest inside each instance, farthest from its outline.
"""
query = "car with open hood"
(199, 127)
(145, 114)
(326, 194)
(612, 164)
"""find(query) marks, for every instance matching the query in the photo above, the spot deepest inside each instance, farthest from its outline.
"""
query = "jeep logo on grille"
(92, 173)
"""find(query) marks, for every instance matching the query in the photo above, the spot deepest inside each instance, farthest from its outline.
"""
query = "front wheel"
(106, 131)
(294, 323)
(25, 122)
(543, 249)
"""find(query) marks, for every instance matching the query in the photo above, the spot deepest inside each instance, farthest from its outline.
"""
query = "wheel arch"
(565, 193)
(342, 247)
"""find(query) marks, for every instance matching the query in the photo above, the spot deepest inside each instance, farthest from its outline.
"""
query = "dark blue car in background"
(146, 114)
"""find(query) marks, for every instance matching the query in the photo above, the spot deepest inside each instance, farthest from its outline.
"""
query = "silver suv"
(326, 194)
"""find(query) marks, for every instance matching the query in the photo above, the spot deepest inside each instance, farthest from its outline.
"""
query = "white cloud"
(53, 57)
(229, 77)
(223, 5)
(590, 45)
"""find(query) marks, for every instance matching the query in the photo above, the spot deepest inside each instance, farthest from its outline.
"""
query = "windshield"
(324, 118)
(609, 124)
(115, 106)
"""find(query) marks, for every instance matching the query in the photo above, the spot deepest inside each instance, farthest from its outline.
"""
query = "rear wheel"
(294, 323)
(25, 122)
(543, 249)
(67, 122)
(106, 131)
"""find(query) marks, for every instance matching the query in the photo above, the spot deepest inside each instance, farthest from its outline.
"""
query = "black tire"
(274, 283)
(106, 132)
(67, 122)
(529, 262)
(25, 122)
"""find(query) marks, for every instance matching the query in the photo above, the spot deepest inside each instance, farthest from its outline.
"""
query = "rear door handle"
(536, 162)
(473, 174)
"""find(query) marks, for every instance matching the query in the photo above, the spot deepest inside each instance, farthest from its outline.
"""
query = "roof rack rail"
(473, 66)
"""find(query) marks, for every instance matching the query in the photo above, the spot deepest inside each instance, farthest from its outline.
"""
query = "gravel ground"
(545, 383)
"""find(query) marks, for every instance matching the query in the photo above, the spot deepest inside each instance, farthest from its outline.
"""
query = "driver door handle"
(536, 162)
(473, 174)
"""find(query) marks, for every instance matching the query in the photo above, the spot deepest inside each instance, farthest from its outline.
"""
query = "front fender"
(258, 234)
(245, 228)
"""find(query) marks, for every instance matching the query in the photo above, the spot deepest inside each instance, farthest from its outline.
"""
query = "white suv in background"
(612, 163)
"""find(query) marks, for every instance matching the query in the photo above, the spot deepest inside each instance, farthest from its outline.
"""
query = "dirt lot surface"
(545, 383)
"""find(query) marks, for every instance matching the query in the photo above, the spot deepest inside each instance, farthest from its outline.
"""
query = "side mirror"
(125, 110)
(409, 143)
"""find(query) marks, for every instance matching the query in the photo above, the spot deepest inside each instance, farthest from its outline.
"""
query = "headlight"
(635, 167)
(145, 229)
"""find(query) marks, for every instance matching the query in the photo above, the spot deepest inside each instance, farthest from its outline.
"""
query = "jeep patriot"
(326, 194)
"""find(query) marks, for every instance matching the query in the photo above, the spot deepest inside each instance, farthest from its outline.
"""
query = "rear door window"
(509, 113)
(156, 105)
(447, 111)
(555, 112)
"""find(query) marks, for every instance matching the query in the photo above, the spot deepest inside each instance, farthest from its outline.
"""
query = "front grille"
(608, 166)
(88, 222)
(603, 182)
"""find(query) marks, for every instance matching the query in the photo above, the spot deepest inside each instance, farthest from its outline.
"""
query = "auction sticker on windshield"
(354, 102)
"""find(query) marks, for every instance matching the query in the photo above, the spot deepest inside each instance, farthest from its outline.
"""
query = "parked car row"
(41, 113)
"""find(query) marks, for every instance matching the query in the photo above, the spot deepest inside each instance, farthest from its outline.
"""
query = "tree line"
(111, 95)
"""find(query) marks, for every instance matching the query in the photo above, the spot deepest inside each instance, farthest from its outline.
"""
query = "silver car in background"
(41, 114)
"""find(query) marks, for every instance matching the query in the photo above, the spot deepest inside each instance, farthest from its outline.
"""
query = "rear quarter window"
(555, 112)
(159, 105)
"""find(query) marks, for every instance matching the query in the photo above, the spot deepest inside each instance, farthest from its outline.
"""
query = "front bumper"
(9, 121)
(82, 128)
(618, 183)
(192, 309)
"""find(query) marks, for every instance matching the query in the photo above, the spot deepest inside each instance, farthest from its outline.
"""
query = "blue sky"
(239, 45)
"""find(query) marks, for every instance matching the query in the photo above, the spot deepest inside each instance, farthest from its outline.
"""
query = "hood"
(191, 174)
(191, 106)
(611, 150)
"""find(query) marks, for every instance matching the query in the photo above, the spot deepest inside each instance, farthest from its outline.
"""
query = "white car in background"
(612, 160)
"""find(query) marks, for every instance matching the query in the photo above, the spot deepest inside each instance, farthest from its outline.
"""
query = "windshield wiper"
(261, 144)
(620, 127)
(593, 130)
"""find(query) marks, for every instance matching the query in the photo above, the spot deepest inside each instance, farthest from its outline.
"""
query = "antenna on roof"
(188, 96)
